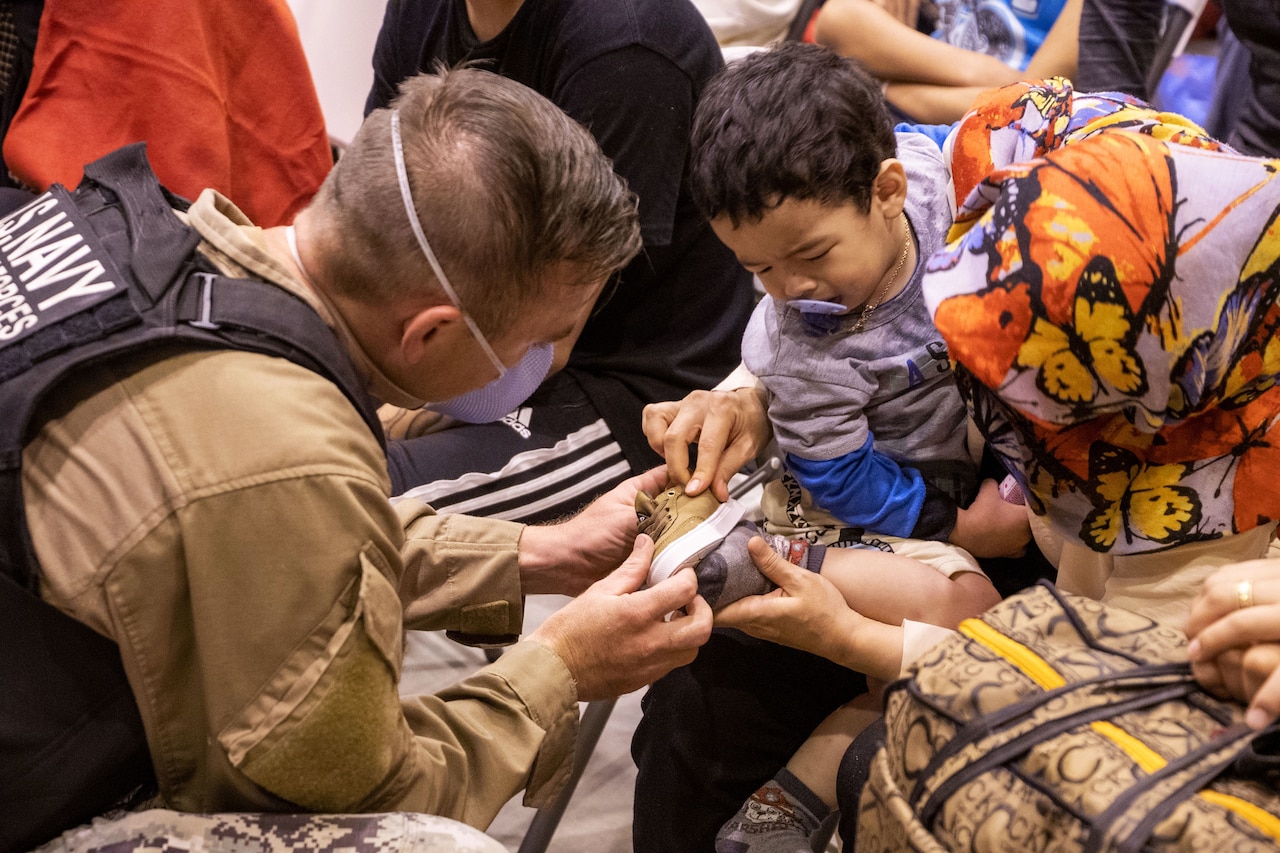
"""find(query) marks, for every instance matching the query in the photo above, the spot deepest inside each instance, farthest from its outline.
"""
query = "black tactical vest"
(88, 276)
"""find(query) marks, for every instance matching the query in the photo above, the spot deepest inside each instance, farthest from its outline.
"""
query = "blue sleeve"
(870, 490)
(936, 132)
(864, 489)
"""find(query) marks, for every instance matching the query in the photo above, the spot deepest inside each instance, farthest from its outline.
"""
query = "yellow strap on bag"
(1046, 677)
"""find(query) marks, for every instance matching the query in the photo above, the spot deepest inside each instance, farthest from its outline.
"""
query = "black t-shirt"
(631, 71)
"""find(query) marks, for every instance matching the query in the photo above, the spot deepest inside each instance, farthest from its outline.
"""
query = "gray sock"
(780, 817)
(728, 573)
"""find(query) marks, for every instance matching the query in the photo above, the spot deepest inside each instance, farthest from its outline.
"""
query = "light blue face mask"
(512, 387)
(820, 317)
(817, 306)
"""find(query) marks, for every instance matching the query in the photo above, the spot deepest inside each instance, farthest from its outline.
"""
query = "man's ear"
(890, 188)
(420, 331)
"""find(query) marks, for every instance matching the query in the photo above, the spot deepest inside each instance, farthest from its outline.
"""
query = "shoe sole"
(697, 543)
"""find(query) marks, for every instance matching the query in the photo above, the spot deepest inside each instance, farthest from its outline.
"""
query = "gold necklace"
(902, 259)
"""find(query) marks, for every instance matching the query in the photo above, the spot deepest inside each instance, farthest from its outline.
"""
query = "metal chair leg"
(545, 821)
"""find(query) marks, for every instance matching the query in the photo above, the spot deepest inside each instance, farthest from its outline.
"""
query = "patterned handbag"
(1057, 723)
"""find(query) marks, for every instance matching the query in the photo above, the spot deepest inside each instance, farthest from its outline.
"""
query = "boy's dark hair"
(798, 121)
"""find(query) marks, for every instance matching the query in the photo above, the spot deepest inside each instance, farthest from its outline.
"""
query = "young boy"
(797, 167)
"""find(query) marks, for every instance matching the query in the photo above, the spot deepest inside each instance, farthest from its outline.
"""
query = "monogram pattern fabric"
(1059, 724)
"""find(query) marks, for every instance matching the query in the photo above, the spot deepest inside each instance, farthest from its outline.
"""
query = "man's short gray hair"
(507, 187)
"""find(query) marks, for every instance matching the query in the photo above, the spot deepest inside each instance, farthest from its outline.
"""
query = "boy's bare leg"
(817, 760)
(890, 587)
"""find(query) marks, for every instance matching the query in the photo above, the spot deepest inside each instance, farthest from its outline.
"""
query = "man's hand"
(991, 526)
(567, 557)
(729, 427)
(613, 639)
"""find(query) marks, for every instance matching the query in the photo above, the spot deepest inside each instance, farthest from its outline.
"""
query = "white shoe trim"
(697, 543)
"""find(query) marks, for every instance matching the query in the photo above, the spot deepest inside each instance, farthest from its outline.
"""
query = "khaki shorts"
(788, 511)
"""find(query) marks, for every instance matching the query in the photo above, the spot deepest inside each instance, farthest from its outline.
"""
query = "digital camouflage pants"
(163, 831)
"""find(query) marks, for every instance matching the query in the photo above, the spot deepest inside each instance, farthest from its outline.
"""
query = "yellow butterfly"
(1142, 501)
(1072, 363)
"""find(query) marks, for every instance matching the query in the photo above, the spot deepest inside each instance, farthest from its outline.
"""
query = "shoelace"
(656, 524)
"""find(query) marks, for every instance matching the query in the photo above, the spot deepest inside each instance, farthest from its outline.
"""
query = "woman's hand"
(729, 427)
(808, 613)
(1235, 637)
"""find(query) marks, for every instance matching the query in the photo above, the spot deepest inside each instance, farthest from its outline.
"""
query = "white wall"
(338, 37)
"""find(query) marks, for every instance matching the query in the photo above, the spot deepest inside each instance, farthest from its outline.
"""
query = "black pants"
(1118, 42)
(716, 730)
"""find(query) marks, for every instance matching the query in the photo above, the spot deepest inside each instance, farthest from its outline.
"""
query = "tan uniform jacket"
(224, 517)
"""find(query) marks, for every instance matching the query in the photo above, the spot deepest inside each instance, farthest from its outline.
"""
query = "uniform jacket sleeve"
(233, 534)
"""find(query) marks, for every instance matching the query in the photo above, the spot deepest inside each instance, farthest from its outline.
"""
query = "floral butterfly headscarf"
(1111, 299)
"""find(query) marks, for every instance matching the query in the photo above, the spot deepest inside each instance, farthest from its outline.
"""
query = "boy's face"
(807, 249)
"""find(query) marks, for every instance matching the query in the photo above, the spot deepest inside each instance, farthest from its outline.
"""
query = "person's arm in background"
(894, 51)
(1057, 56)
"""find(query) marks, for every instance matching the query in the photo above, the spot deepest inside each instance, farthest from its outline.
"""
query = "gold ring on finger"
(1244, 594)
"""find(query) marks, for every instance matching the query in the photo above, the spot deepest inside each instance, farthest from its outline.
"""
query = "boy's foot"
(684, 529)
(780, 817)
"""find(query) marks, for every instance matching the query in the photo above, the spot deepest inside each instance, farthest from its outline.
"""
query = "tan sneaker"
(684, 529)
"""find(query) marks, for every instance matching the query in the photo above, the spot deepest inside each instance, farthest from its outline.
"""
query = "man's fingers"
(668, 596)
(690, 629)
(652, 481)
(629, 576)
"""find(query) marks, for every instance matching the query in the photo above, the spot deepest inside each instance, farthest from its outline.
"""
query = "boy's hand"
(991, 526)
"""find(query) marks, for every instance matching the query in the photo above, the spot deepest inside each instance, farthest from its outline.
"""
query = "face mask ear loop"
(411, 212)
